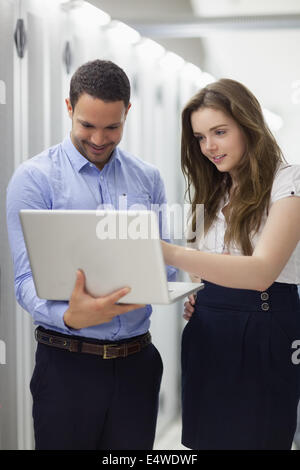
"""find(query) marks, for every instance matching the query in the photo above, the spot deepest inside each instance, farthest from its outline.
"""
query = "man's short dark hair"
(102, 79)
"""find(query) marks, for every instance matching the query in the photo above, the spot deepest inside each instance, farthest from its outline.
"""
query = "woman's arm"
(278, 240)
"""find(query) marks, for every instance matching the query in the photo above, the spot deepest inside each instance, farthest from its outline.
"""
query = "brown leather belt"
(106, 351)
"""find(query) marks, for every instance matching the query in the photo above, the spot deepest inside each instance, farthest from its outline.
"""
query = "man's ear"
(69, 107)
(128, 108)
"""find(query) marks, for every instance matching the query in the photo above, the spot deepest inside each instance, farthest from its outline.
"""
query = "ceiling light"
(274, 121)
(191, 71)
(171, 61)
(123, 32)
(150, 49)
(204, 79)
(87, 12)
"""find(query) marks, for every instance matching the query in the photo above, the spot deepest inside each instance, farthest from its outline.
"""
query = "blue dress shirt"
(61, 178)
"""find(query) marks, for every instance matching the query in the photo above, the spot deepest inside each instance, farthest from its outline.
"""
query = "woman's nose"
(210, 144)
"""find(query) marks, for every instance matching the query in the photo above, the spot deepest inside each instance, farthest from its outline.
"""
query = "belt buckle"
(105, 352)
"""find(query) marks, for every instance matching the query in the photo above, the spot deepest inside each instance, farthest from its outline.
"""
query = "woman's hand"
(189, 307)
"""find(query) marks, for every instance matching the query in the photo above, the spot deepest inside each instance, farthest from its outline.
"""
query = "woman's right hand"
(189, 307)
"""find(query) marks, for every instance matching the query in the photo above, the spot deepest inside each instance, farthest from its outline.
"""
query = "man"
(81, 399)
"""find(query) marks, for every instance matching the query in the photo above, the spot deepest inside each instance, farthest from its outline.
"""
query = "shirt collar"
(114, 157)
(78, 161)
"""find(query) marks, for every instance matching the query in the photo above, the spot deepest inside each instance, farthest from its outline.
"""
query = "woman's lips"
(219, 158)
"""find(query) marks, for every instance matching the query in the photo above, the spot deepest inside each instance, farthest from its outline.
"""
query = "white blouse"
(286, 183)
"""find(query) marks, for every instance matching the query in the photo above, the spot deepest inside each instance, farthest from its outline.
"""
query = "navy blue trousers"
(81, 401)
(240, 387)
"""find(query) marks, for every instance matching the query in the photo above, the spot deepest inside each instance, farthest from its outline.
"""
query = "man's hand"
(189, 308)
(85, 310)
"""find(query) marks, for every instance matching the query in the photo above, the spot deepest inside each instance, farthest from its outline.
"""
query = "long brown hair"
(206, 185)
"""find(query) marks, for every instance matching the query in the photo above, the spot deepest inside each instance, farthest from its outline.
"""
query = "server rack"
(41, 44)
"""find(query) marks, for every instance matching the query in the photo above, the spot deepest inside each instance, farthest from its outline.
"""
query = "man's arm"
(29, 189)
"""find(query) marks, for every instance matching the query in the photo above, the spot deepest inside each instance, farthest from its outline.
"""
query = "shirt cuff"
(51, 313)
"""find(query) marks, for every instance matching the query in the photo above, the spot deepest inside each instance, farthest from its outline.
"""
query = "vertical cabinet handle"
(20, 38)
(67, 57)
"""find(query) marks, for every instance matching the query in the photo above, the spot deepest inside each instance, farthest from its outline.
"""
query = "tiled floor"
(170, 438)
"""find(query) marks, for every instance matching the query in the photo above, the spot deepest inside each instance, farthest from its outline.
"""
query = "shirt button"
(265, 306)
(264, 296)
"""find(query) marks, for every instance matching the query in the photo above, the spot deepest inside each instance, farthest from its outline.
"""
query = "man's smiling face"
(97, 127)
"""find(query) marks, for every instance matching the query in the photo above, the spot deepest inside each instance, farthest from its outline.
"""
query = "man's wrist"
(66, 319)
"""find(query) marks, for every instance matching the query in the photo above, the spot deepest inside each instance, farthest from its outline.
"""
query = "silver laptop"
(115, 249)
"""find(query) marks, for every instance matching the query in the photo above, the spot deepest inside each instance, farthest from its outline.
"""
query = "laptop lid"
(114, 249)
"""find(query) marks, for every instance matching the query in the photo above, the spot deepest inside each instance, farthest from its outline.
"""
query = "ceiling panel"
(244, 7)
(266, 60)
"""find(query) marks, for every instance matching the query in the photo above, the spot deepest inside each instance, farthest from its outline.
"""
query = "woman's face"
(220, 138)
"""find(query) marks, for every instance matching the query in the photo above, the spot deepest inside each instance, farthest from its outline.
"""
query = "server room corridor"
(169, 51)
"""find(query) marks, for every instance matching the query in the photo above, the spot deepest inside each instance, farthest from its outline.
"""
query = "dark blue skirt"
(240, 386)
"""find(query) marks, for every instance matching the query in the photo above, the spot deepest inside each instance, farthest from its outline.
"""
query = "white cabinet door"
(8, 378)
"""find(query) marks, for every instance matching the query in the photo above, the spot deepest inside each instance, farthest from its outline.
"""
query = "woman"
(240, 385)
